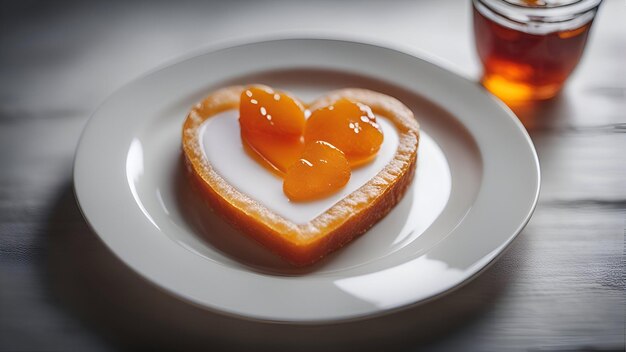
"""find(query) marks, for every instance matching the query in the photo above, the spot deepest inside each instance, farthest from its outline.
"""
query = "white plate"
(476, 187)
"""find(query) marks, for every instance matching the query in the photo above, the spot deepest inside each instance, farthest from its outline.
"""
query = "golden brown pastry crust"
(304, 244)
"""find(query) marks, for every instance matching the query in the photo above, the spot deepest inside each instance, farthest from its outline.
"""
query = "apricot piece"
(262, 110)
(322, 170)
(276, 154)
(349, 126)
(271, 125)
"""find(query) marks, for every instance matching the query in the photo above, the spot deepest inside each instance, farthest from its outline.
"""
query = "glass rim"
(538, 20)
(548, 10)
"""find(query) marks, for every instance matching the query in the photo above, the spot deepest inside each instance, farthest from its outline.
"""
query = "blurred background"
(560, 287)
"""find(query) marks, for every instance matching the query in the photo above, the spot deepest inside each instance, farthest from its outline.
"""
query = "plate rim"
(266, 39)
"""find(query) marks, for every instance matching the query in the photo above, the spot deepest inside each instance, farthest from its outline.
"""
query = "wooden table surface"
(559, 287)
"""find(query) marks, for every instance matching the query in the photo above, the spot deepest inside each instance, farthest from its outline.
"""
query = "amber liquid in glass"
(521, 66)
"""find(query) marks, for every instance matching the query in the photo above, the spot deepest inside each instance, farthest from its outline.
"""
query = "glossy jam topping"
(321, 171)
(272, 124)
(261, 109)
(313, 156)
(349, 126)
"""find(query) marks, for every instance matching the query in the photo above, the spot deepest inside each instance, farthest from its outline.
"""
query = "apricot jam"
(349, 126)
(522, 63)
(313, 156)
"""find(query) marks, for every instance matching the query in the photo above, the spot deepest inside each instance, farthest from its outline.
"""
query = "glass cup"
(529, 48)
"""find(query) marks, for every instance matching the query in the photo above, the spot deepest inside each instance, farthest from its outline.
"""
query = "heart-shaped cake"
(315, 162)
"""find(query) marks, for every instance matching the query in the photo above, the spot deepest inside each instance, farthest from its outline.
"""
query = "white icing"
(221, 144)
